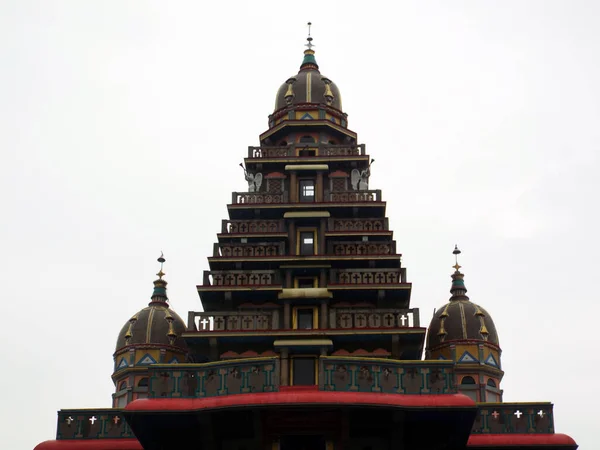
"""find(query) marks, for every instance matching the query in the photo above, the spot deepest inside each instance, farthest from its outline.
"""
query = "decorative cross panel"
(345, 320)
(360, 320)
(232, 323)
(389, 320)
(374, 320)
(219, 323)
(247, 323)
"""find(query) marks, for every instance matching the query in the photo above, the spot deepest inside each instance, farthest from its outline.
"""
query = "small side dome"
(308, 86)
(460, 319)
(157, 324)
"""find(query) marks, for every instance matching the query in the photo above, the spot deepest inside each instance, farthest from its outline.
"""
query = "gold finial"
(456, 252)
(309, 45)
(161, 259)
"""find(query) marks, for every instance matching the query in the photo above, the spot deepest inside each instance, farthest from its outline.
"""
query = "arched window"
(307, 140)
(143, 382)
(491, 383)
(467, 380)
(122, 386)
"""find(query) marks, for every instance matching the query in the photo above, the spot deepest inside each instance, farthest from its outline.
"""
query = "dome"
(308, 86)
(460, 319)
(157, 324)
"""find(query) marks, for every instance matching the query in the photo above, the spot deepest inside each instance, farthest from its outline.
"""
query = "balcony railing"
(294, 151)
(251, 198)
(398, 377)
(349, 248)
(233, 321)
(355, 196)
(499, 418)
(213, 379)
(358, 225)
(367, 276)
(227, 250)
(373, 318)
(241, 278)
(92, 424)
(252, 226)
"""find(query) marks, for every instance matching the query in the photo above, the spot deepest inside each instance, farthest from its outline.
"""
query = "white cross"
(116, 419)
(93, 419)
(518, 414)
(495, 415)
(403, 319)
(204, 322)
(70, 420)
(541, 413)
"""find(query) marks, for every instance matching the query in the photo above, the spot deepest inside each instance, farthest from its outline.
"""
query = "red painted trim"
(300, 397)
(497, 440)
(91, 444)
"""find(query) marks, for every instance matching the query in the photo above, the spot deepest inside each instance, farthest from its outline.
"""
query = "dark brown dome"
(156, 324)
(460, 319)
(308, 86)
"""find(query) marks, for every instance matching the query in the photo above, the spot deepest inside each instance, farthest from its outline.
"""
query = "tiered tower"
(307, 339)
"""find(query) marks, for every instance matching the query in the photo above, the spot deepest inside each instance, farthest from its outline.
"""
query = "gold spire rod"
(456, 252)
(161, 259)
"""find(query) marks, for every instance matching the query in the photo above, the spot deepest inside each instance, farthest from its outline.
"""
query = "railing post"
(191, 325)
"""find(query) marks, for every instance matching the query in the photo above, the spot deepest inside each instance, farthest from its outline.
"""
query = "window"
(305, 318)
(143, 382)
(307, 191)
(307, 243)
(467, 380)
(306, 282)
(302, 442)
(122, 386)
(307, 140)
(304, 371)
(491, 383)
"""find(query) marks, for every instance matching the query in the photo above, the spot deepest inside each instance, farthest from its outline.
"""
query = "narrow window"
(305, 319)
(491, 383)
(304, 371)
(307, 243)
(143, 382)
(307, 191)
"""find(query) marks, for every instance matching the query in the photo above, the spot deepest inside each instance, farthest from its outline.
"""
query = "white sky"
(122, 124)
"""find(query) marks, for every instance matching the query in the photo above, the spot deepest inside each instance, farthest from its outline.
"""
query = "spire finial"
(458, 289)
(309, 44)
(161, 259)
(456, 252)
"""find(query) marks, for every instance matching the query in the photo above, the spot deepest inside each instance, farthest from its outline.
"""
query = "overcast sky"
(122, 124)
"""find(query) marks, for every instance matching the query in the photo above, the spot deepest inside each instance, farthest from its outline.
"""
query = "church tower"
(306, 338)
(464, 332)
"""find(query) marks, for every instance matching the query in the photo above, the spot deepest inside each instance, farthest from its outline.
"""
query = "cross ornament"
(70, 420)
(93, 419)
(541, 413)
(116, 419)
(495, 415)
(518, 414)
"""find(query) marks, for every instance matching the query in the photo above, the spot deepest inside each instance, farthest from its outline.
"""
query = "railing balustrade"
(367, 276)
(233, 321)
(227, 250)
(103, 423)
(388, 376)
(361, 248)
(355, 196)
(240, 376)
(373, 318)
(501, 418)
(295, 151)
(252, 226)
(358, 224)
(240, 198)
(241, 278)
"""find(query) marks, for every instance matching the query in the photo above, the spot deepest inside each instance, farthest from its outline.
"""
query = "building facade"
(307, 338)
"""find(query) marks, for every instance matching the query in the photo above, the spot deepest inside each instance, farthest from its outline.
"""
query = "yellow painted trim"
(213, 363)
(315, 311)
(306, 123)
(315, 240)
(301, 214)
(306, 167)
(298, 293)
(417, 362)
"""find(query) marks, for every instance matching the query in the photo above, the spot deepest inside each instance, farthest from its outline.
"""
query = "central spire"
(309, 62)
(159, 295)
(458, 289)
